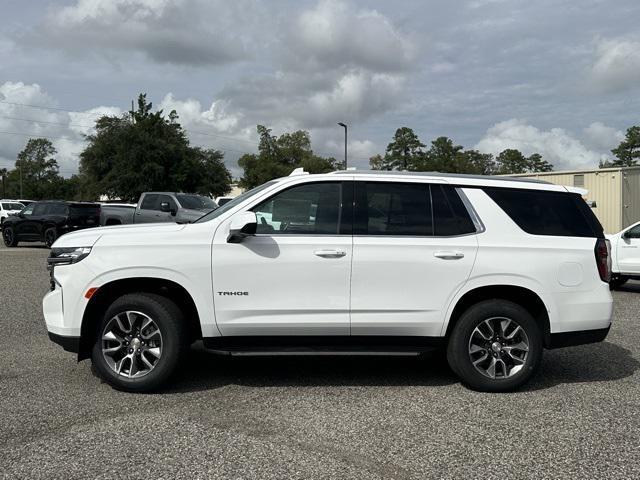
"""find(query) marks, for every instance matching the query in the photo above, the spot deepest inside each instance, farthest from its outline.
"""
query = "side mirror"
(164, 207)
(242, 225)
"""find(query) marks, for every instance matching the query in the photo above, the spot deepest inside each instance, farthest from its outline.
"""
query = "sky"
(561, 78)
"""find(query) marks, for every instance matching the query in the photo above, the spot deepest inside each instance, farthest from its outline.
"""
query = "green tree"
(404, 150)
(146, 150)
(378, 162)
(38, 168)
(3, 180)
(512, 161)
(278, 156)
(628, 152)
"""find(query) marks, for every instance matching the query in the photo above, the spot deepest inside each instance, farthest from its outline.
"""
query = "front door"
(628, 253)
(414, 247)
(293, 276)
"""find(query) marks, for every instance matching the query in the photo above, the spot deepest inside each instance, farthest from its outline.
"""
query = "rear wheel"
(496, 346)
(139, 342)
(9, 237)
(50, 236)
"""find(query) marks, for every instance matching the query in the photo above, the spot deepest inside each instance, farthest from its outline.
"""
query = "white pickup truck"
(625, 255)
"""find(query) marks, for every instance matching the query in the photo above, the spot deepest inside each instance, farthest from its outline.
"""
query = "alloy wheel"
(498, 347)
(131, 344)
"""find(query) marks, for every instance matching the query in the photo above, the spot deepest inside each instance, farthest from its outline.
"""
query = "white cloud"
(600, 136)
(555, 145)
(617, 64)
(335, 34)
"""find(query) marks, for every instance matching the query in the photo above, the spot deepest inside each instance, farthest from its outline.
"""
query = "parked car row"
(46, 220)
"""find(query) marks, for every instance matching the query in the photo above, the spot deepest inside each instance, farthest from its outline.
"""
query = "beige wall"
(631, 197)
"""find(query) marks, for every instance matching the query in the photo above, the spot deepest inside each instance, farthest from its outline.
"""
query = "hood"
(89, 236)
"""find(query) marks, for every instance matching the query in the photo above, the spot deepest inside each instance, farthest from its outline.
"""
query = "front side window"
(634, 232)
(28, 210)
(150, 202)
(393, 209)
(309, 209)
(169, 200)
(40, 209)
(196, 202)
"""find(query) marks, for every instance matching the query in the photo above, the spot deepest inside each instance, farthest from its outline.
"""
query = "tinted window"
(311, 209)
(40, 209)
(150, 202)
(450, 216)
(57, 209)
(231, 204)
(547, 213)
(196, 202)
(393, 209)
(634, 232)
(169, 200)
(29, 209)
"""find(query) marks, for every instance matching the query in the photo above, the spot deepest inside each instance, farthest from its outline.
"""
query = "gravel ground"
(342, 417)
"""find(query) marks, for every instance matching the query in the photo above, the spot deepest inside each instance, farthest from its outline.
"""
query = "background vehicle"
(493, 270)
(9, 207)
(47, 220)
(222, 200)
(25, 202)
(625, 254)
(155, 207)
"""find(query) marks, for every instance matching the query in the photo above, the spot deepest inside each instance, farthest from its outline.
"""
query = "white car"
(9, 207)
(625, 255)
(492, 269)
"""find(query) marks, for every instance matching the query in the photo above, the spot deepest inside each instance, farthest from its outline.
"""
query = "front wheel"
(9, 237)
(50, 236)
(496, 346)
(139, 342)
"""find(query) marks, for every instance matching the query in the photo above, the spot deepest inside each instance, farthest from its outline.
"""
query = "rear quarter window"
(540, 212)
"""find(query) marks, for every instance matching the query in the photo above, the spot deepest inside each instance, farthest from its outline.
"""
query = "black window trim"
(475, 218)
(344, 199)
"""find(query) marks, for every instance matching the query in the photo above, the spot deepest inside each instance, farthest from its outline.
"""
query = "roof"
(441, 175)
(578, 171)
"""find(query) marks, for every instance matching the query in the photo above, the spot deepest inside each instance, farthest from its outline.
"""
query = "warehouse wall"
(631, 197)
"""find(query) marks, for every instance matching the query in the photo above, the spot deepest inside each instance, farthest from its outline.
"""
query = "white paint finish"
(625, 252)
(400, 287)
(570, 274)
(291, 290)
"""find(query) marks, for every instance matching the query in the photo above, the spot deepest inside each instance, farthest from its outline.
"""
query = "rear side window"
(450, 216)
(57, 209)
(547, 213)
(393, 209)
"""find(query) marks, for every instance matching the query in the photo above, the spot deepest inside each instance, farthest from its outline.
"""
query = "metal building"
(615, 191)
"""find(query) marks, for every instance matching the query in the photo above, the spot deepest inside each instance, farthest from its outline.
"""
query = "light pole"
(345, 143)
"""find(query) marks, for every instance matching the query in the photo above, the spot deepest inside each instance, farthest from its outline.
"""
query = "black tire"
(9, 237)
(169, 321)
(50, 236)
(458, 349)
(617, 282)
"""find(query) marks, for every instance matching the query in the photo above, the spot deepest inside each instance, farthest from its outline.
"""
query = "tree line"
(145, 150)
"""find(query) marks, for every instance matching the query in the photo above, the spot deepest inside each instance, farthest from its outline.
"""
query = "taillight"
(603, 259)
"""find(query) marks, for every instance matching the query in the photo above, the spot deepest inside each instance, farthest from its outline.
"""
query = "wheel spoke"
(122, 344)
(504, 325)
(512, 335)
(491, 369)
(475, 349)
(481, 359)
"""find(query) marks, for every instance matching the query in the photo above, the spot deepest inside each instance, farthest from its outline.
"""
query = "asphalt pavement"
(310, 417)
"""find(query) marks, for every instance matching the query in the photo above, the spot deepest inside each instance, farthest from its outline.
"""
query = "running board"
(322, 345)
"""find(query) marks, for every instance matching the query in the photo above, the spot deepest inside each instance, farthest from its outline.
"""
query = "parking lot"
(310, 417)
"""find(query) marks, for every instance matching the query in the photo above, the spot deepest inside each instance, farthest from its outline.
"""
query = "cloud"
(336, 34)
(182, 32)
(617, 64)
(555, 145)
(600, 136)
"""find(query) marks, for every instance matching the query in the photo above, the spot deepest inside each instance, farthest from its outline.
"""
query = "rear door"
(24, 227)
(414, 246)
(628, 253)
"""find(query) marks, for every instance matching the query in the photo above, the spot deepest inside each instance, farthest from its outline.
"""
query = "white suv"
(492, 269)
(9, 207)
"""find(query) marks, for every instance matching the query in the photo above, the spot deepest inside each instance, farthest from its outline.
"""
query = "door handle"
(449, 255)
(330, 253)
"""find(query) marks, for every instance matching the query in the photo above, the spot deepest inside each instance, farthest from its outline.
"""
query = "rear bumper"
(581, 337)
(70, 344)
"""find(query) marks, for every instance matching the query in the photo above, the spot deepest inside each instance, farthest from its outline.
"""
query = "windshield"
(196, 202)
(229, 205)
(12, 206)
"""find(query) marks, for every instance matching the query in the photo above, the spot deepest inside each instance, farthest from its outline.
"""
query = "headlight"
(68, 255)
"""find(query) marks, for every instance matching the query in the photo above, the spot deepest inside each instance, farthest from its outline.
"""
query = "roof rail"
(298, 171)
